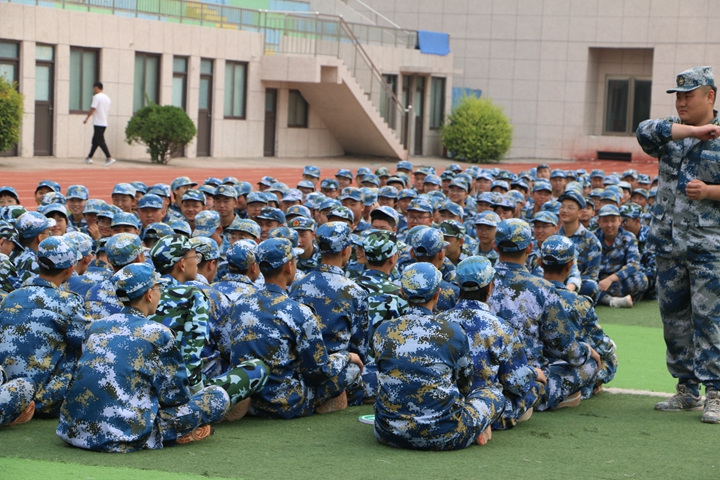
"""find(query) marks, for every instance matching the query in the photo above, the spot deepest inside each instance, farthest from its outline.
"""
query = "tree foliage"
(164, 129)
(11, 112)
(477, 131)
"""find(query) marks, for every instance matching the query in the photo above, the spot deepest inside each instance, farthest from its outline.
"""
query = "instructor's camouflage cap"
(242, 254)
(452, 228)
(332, 237)
(474, 273)
(694, 78)
(428, 242)
(420, 281)
(169, 250)
(207, 247)
(82, 242)
(557, 250)
(276, 252)
(32, 224)
(134, 280)
(123, 248)
(631, 210)
(56, 252)
(513, 235)
(379, 245)
(6, 270)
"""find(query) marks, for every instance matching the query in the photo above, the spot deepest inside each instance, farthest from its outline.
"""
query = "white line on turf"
(630, 391)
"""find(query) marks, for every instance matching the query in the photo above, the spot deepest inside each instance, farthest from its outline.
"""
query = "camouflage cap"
(428, 242)
(157, 230)
(609, 211)
(382, 172)
(245, 225)
(454, 167)
(32, 224)
(109, 211)
(170, 250)
(488, 217)
(207, 190)
(611, 195)
(596, 192)
(404, 165)
(343, 213)
(517, 196)
(484, 175)
(611, 180)
(180, 227)
(266, 181)
(193, 195)
(53, 197)
(257, 197)
(420, 205)
(369, 196)
(276, 252)
(486, 197)
(597, 174)
(285, 232)
(345, 173)
(161, 190)
(551, 206)
(447, 175)
(271, 213)
(644, 179)
(332, 237)
(379, 245)
(53, 208)
(351, 193)
(125, 219)
(574, 195)
(150, 200)
(79, 192)
(182, 182)
(385, 211)
(56, 252)
(425, 170)
(243, 188)
(630, 172)
(93, 205)
(407, 193)
(504, 201)
(140, 187)
(124, 189)
(302, 223)
(132, 281)
(123, 248)
(460, 183)
(397, 179)
(452, 228)
(693, 78)
(362, 171)
(216, 182)
(520, 183)
(641, 191)
(652, 193)
(206, 223)
(306, 184)
(631, 210)
(298, 210)
(452, 207)
(513, 235)
(545, 217)
(205, 246)
(48, 184)
(227, 181)
(11, 191)
(293, 195)
(557, 250)
(311, 170)
(82, 243)
(474, 273)
(8, 231)
(433, 180)
(624, 185)
(242, 254)
(330, 183)
(558, 173)
(420, 282)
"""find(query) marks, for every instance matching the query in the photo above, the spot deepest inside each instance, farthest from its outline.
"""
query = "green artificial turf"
(643, 314)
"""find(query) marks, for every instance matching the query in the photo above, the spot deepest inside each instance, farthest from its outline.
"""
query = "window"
(627, 103)
(387, 107)
(437, 103)
(235, 91)
(147, 80)
(179, 87)
(9, 60)
(297, 110)
(83, 74)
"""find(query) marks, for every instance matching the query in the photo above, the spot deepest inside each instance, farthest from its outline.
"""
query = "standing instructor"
(685, 236)
(99, 110)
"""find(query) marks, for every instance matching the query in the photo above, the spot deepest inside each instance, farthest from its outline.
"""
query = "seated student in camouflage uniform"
(533, 307)
(16, 400)
(242, 271)
(121, 250)
(556, 257)
(305, 228)
(184, 308)
(485, 226)
(285, 334)
(341, 306)
(425, 399)
(33, 228)
(130, 390)
(496, 351)
(81, 283)
(622, 281)
(9, 243)
(544, 225)
(42, 321)
(632, 222)
(428, 246)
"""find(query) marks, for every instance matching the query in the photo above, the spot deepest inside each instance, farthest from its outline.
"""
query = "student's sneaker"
(571, 401)
(333, 405)
(109, 162)
(200, 433)
(712, 407)
(25, 416)
(238, 411)
(683, 400)
(526, 416)
(598, 389)
(621, 302)
(87, 160)
(485, 436)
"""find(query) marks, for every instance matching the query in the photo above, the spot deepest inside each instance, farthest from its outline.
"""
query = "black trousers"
(98, 140)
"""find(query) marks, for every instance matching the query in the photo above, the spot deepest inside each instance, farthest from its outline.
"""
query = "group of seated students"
(456, 305)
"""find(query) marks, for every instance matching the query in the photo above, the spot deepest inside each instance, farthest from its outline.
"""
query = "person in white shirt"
(99, 110)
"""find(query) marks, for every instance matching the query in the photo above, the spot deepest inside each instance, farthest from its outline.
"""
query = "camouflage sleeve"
(593, 260)
(314, 362)
(591, 328)
(559, 334)
(652, 135)
(359, 327)
(575, 278)
(464, 366)
(76, 320)
(632, 258)
(514, 372)
(170, 380)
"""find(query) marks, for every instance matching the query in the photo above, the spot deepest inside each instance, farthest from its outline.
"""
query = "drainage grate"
(621, 156)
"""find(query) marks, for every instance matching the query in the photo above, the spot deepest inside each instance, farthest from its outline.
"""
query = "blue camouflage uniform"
(589, 254)
(622, 258)
(15, 397)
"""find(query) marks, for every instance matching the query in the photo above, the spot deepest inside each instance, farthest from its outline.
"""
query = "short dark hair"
(50, 272)
(429, 259)
(98, 85)
(480, 295)
(377, 263)
(511, 255)
(554, 269)
(268, 271)
(236, 270)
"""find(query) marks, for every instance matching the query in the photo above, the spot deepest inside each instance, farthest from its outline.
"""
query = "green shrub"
(11, 112)
(477, 131)
(163, 129)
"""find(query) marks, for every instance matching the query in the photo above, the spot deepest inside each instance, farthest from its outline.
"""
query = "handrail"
(375, 12)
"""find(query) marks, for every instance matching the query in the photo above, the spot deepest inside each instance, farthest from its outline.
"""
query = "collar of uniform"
(579, 231)
(133, 311)
(558, 285)
(172, 280)
(236, 277)
(419, 310)
(510, 266)
(271, 287)
(200, 278)
(376, 273)
(39, 282)
(463, 304)
(325, 268)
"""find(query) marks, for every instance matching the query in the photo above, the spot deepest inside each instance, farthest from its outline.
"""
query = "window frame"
(97, 75)
(304, 123)
(243, 115)
(13, 61)
(433, 81)
(629, 114)
(184, 76)
(147, 55)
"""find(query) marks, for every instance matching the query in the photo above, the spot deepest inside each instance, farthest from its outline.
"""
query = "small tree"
(11, 112)
(478, 131)
(164, 129)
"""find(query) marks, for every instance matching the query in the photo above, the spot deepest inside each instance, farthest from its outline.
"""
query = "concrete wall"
(534, 58)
